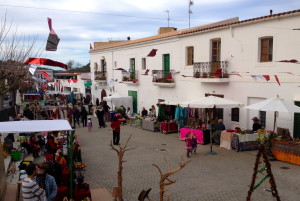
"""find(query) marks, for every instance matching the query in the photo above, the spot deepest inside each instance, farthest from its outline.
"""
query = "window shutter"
(190, 56)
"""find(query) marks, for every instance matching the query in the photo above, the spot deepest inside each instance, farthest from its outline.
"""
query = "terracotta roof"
(193, 30)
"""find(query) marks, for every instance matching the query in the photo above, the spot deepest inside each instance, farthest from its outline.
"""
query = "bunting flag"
(46, 75)
(254, 77)
(91, 47)
(75, 81)
(267, 77)
(45, 62)
(146, 72)
(290, 61)
(70, 81)
(277, 80)
(55, 83)
(260, 77)
(152, 53)
(32, 69)
(53, 39)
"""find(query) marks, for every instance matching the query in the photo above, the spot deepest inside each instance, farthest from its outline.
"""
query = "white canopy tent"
(34, 126)
(117, 100)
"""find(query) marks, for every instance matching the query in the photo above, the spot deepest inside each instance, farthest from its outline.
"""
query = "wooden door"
(215, 55)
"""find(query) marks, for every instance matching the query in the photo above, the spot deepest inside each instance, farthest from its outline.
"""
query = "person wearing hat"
(256, 124)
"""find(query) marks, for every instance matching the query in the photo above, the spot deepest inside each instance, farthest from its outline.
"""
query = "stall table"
(286, 151)
(225, 140)
(197, 133)
(244, 142)
(148, 124)
(168, 127)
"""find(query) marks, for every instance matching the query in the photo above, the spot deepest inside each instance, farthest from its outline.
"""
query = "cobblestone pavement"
(221, 177)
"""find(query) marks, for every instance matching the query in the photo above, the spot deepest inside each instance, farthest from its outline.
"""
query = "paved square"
(221, 177)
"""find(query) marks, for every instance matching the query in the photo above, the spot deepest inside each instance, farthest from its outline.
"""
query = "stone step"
(101, 194)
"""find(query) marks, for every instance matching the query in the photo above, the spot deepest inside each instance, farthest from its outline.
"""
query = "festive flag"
(277, 80)
(152, 53)
(267, 77)
(46, 75)
(260, 77)
(75, 81)
(53, 39)
(254, 77)
(32, 69)
(69, 81)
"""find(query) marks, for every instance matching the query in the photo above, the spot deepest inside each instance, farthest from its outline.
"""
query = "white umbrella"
(275, 105)
(213, 102)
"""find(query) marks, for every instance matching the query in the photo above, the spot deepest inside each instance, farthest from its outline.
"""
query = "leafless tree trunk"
(120, 151)
(165, 181)
(15, 48)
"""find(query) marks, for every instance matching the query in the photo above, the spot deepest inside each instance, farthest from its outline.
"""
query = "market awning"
(34, 126)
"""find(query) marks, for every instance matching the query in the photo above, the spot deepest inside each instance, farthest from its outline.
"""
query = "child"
(194, 144)
(188, 144)
(115, 125)
(90, 125)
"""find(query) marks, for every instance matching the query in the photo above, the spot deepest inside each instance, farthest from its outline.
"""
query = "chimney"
(163, 30)
(271, 12)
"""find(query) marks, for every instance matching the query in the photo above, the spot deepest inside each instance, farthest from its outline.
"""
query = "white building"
(228, 58)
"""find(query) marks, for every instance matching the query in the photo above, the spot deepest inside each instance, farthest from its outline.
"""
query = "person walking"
(115, 125)
(76, 115)
(188, 144)
(83, 115)
(46, 181)
(100, 115)
(194, 144)
(30, 189)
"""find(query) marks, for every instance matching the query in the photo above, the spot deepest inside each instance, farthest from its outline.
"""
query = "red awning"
(48, 62)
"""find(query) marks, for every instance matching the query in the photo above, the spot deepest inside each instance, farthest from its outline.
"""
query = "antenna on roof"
(167, 11)
(191, 2)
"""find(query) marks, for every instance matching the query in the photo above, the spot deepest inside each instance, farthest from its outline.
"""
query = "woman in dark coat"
(84, 115)
(100, 116)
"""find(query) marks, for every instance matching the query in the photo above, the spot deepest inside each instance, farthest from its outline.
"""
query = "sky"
(81, 22)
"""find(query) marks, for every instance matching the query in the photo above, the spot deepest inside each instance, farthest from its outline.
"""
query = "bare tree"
(15, 48)
(164, 177)
(70, 64)
(121, 151)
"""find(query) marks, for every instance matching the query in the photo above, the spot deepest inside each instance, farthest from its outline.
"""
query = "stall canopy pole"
(71, 134)
(211, 133)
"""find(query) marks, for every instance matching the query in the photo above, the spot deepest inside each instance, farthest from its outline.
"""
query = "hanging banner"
(267, 77)
(277, 80)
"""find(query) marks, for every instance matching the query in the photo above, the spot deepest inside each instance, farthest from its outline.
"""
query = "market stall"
(288, 151)
(150, 124)
(118, 100)
(46, 126)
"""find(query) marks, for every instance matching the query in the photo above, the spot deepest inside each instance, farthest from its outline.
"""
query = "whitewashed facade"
(241, 44)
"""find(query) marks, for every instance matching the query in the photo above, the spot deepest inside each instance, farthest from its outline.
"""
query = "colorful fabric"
(197, 133)
(152, 53)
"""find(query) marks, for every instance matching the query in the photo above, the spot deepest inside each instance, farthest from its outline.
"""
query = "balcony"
(100, 76)
(130, 77)
(163, 78)
(211, 71)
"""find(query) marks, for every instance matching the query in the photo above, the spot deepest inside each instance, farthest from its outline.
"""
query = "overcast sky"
(81, 22)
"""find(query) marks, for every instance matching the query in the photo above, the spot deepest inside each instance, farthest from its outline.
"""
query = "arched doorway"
(103, 94)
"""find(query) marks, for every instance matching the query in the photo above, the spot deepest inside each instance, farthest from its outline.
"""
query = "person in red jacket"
(115, 125)
(52, 146)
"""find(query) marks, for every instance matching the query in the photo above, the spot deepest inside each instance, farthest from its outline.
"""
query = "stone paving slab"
(221, 177)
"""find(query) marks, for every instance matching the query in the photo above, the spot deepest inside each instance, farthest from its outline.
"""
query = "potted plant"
(204, 75)
(197, 75)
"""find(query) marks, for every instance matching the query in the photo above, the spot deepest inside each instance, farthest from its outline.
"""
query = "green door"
(297, 122)
(133, 94)
(166, 64)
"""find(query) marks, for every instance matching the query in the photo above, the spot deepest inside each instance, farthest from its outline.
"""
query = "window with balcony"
(132, 64)
(190, 56)
(143, 63)
(103, 65)
(95, 66)
(266, 49)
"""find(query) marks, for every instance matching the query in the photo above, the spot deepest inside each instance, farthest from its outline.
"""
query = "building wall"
(239, 45)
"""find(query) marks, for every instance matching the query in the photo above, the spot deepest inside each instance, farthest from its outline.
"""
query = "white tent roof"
(275, 104)
(34, 126)
(118, 100)
(212, 101)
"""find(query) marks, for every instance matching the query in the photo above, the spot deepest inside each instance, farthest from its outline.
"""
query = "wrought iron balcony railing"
(131, 76)
(162, 76)
(99, 75)
(216, 69)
